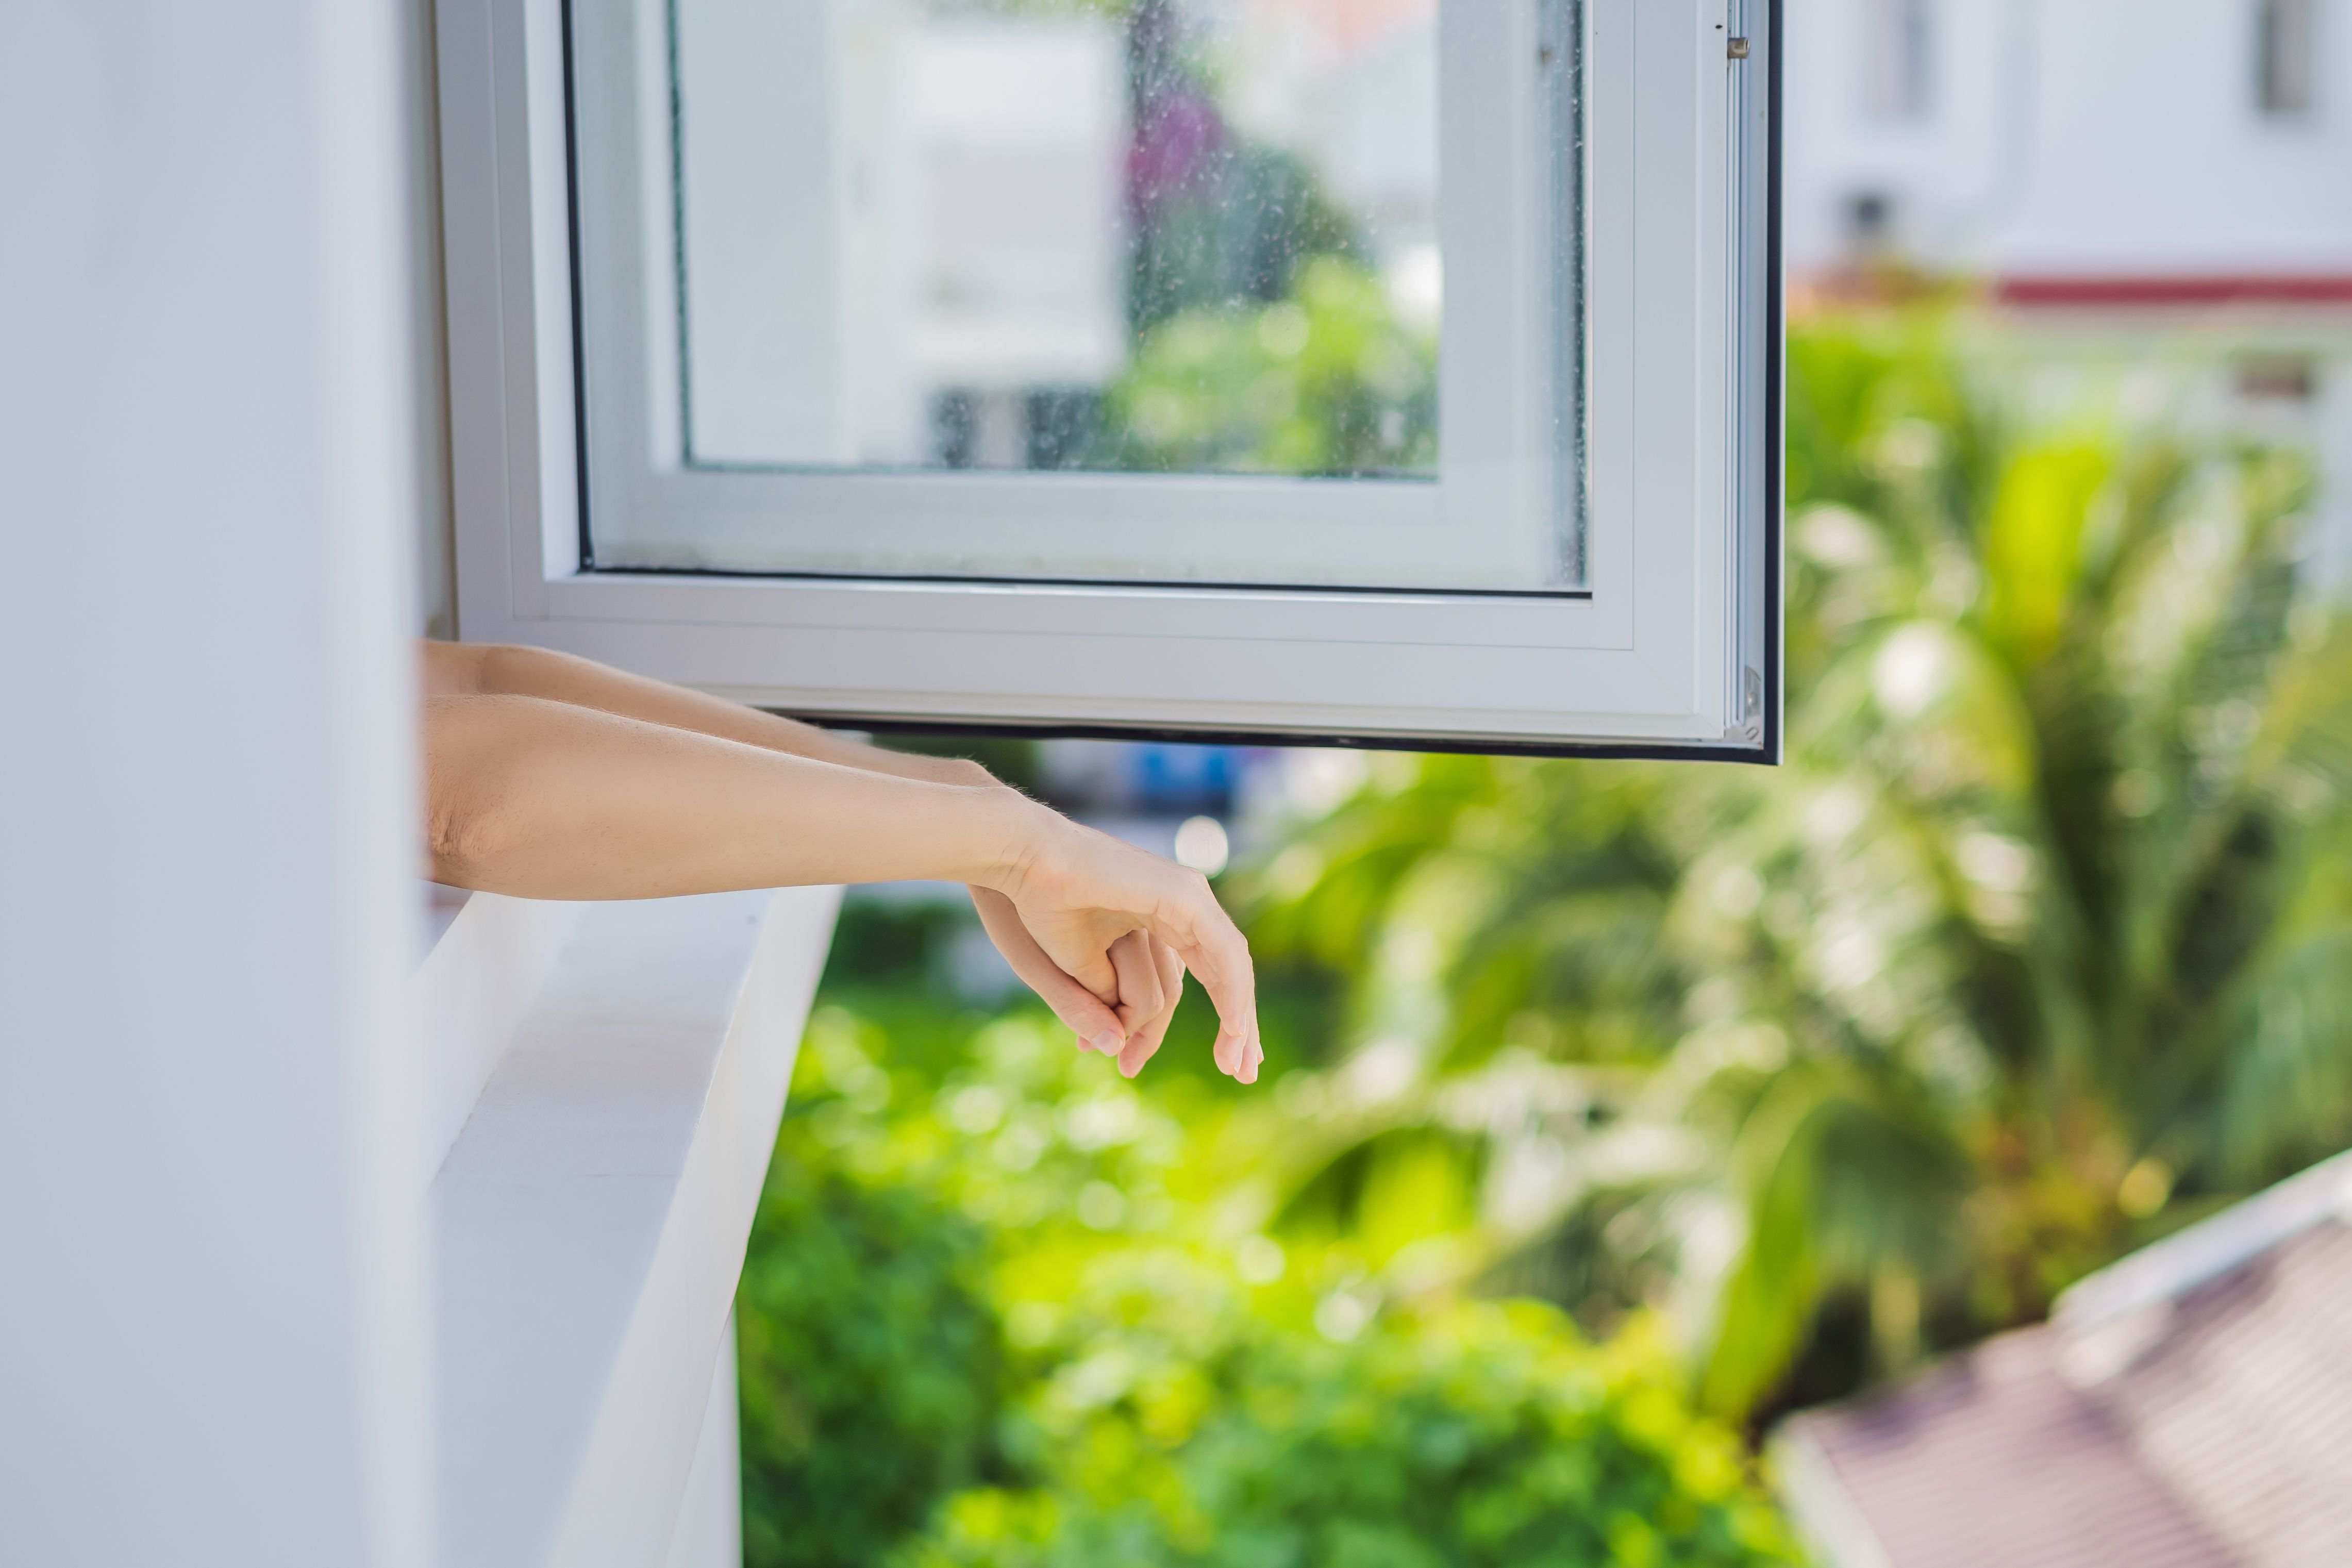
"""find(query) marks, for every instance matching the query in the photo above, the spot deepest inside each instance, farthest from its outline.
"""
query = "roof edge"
(2211, 1248)
(2128, 289)
(1824, 1512)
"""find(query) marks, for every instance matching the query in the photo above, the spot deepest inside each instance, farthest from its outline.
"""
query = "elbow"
(465, 840)
(471, 828)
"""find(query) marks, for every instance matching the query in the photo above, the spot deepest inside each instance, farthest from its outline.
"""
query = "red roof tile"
(2211, 1428)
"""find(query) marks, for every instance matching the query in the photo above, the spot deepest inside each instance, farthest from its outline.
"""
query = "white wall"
(2101, 139)
(213, 1319)
(1946, 171)
(2073, 136)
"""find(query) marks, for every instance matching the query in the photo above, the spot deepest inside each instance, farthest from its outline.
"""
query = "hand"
(1118, 928)
(1130, 1027)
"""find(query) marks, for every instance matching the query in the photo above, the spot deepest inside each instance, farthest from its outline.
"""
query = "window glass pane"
(1157, 236)
(1085, 291)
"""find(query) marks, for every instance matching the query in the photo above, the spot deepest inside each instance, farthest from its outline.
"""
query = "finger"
(1093, 969)
(1190, 921)
(1138, 981)
(1080, 1010)
(1144, 1043)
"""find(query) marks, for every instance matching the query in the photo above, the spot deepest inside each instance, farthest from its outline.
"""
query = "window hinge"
(1737, 49)
(1751, 727)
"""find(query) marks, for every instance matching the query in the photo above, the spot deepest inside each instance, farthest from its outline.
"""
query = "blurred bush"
(2041, 943)
(2037, 945)
(1325, 380)
(1167, 1384)
(1190, 1430)
(872, 1365)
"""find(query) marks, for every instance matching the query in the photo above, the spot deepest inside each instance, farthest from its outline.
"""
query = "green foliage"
(1322, 381)
(1202, 1434)
(2038, 943)
(872, 1365)
(932, 1176)
(2043, 919)
(1177, 1387)
(1242, 236)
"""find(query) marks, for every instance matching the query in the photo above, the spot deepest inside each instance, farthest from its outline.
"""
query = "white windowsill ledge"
(609, 1078)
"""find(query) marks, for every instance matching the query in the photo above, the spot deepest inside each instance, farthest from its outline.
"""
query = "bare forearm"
(559, 796)
(545, 798)
(496, 670)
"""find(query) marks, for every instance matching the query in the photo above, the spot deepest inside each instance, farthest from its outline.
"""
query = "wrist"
(960, 772)
(1011, 832)
(964, 771)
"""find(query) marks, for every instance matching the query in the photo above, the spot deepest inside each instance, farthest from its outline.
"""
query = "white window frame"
(1492, 518)
(1674, 649)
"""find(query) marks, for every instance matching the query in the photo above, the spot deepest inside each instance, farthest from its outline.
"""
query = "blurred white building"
(2158, 193)
(975, 162)
(1351, 87)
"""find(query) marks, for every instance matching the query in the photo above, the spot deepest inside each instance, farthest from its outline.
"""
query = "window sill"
(608, 1081)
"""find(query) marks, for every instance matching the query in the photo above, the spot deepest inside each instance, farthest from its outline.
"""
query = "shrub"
(1191, 1429)
(1166, 1393)
(872, 1367)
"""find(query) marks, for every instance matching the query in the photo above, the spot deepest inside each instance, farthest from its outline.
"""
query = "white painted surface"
(2070, 137)
(710, 1532)
(473, 990)
(506, 289)
(592, 1219)
(223, 1077)
(214, 1319)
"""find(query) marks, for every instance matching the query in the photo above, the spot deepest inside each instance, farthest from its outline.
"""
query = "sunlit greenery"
(1323, 382)
(1197, 1434)
(1599, 1094)
(872, 1365)
(1260, 337)
(2037, 943)
(1141, 1380)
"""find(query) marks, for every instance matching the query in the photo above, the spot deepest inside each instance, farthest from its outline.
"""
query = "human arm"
(547, 798)
(492, 669)
(1149, 979)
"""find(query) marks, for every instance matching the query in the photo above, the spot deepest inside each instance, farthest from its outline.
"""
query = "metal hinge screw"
(1738, 49)
(1750, 729)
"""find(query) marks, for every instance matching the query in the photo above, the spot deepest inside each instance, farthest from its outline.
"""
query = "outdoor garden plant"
(2035, 946)
(993, 1319)
(1767, 1082)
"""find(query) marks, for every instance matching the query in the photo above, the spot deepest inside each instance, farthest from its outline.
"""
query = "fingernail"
(1107, 1042)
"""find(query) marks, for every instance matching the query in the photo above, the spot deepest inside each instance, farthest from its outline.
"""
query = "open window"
(1396, 372)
